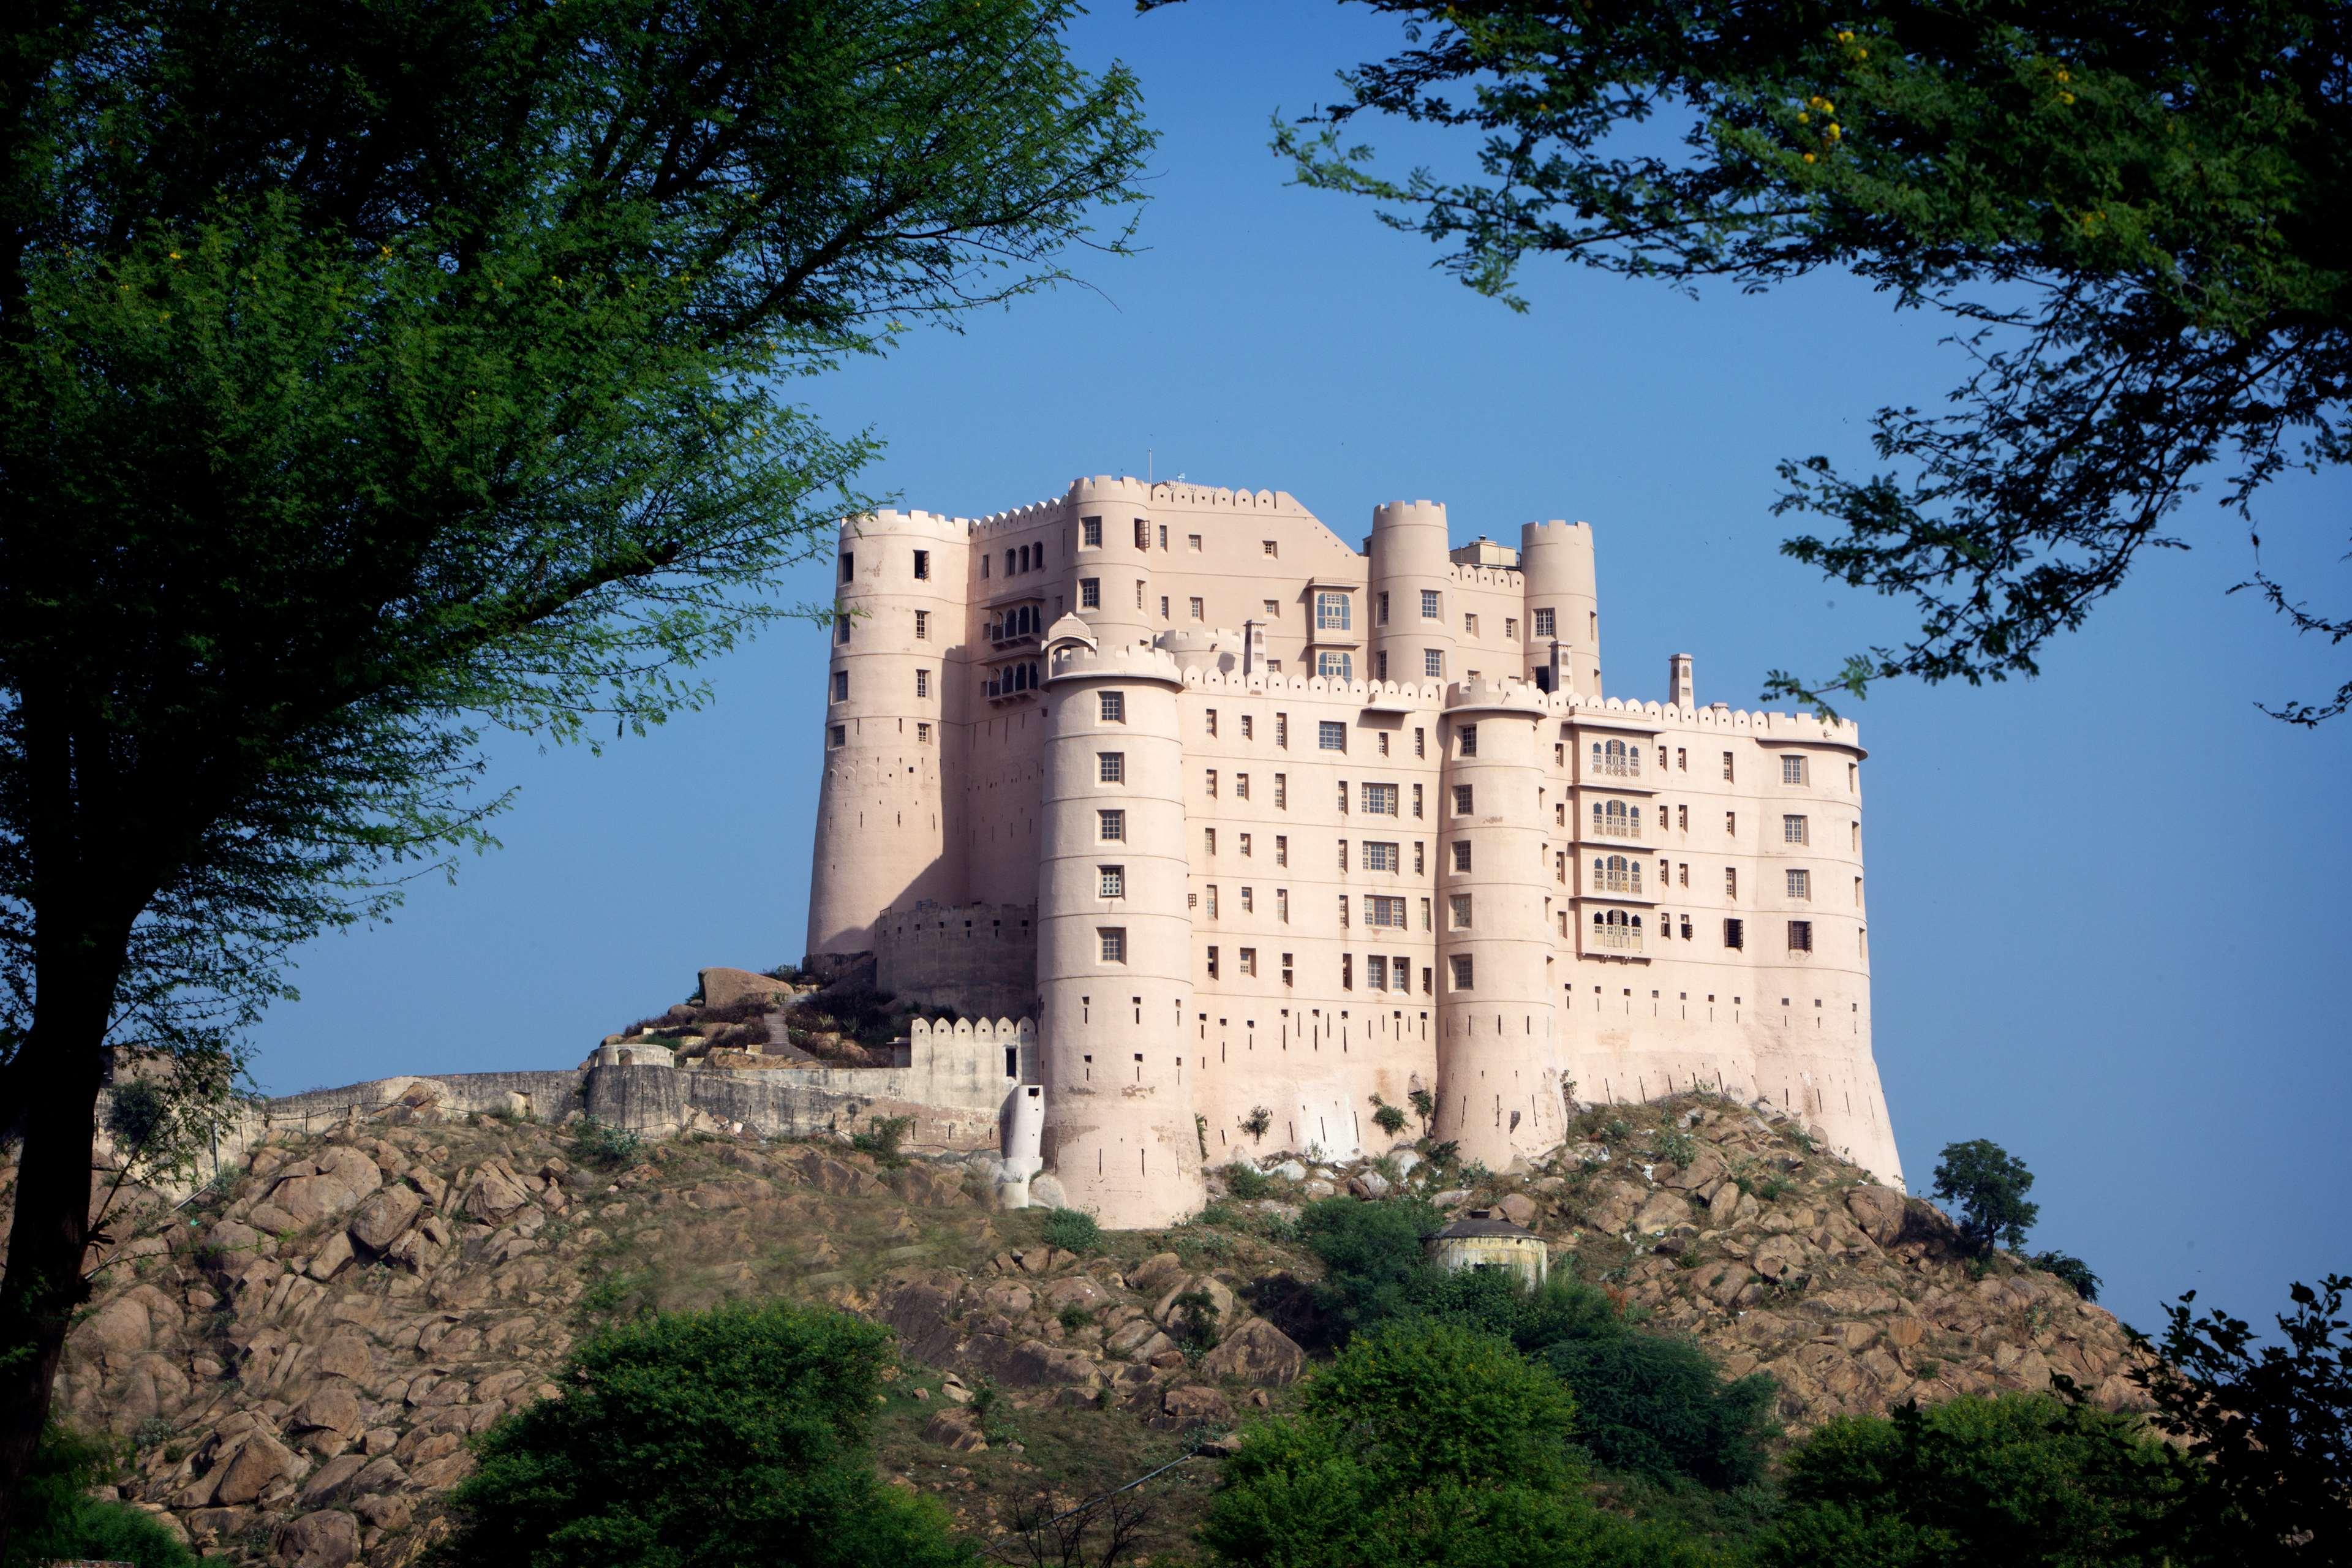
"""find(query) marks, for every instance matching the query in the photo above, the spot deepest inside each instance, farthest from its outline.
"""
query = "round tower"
(1498, 1047)
(899, 583)
(1115, 938)
(1412, 610)
(1117, 515)
(1563, 605)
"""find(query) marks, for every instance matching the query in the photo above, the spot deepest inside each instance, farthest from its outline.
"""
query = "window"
(1793, 769)
(1246, 849)
(1163, 606)
(1376, 973)
(1460, 855)
(1331, 610)
(1282, 732)
(1682, 760)
(922, 564)
(1793, 830)
(1282, 791)
(1138, 593)
(1212, 890)
(922, 683)
(1418, 857)
(1198, 614)
(1546, 623)
(1249, 962)
(1381, 799)
(1209, 840)
(1343, 797)
(1211, 715)
(1727, 764)
(1114, 707)
(1333, 665)
(1429, 608)
(1110, 767)
(1112, 826)
(1381, 670)
(1381, 909)
(1281, 844)
(1462, 971)
(1091, 592)
(1379, 856)
(848, 566)
(1213, 782)
(1615, 819)
(1731, 881)
(1420, 743)
(1163, 536)
(1852, 777)
(1142, 534)
(1617, 758)
(1090, 532)
(838, 735)
(1800, 936)
(1511, 629)
(1801, 884)
(1433, 662)
(1286, 969)
(1343, 854)
(1462, 798)
(1381, 612)
(1457, 912)
(1192, 543)
(840, 627)
(1681, 819)
(1681, 874)
(1416, 801)
(1616, 874)
(983, 567)
(922, 625)
(1424, 914)
(1735, 933)
(1616, 929)
(1465, 738)
(1470, 626)
(922, 733)
(1343, 912)
(1114, 882)
(1113, 944)
(1662, 819)
(1857, 892)
(1249, 895)
(1241, 781)
(840, 686)
(1330, 735)
(1731, 823)
(1347, 971)
(1249, 727)
(1282, 910)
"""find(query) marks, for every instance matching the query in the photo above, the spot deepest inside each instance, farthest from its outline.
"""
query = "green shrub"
(1072, 1230)
(56, 1519)
(2025, 1481)
(602, 1143)
(1655, 1405)
(1679, 1147)
(1246, 1181)
(1073, 1316)
(1424, 1443)
(2071, 1270)
(701, 1437)
(1371, 1255)
(1389, 1119)
(882, 1138)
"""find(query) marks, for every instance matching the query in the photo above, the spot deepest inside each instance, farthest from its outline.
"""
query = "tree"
(2131, 215)
(57, 1519)
(735, 1435)
(1424, 1442)
(1989, 1183)
(2272, 1424)
(2071, 1270)
(1371, 1255)
(372, 377)
(1656, 1405)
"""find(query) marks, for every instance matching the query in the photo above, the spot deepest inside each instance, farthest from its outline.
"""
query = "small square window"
(848, 566)
(1091, 592)
(1460, 855)
(1463, 972)
(1331, 735)
(1113, 825)
(1470, 626)
(1461, 797)
(922, 733)
(1113, 944)
(922, 683)
(1110, 767)
(1270, 548)
(922, 625)
(1272, 609)
(1801, 884)
(1433, 662)
(1430, 610)
(1545, 622)
(840, 686)
(1090, 532)
(1113, 710)
(1199, 612)
(1793, 769)
(1793, 830)
(1800, 937)
(838, 735)
(1458, 910)
(1467, 739)
(1114, 882)
(1511, 629)
(1192, 543)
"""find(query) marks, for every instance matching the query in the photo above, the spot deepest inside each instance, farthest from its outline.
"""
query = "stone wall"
(971, 959)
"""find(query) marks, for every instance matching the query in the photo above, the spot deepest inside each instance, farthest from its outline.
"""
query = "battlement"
(1506, 692)
(1497, 577)
(1555, 531)
(1078, 663)
(926, 1036)
(889, 520)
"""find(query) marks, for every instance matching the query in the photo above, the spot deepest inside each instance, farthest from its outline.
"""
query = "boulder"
(331, 1480)
(1878, 1211)
(1257, 1351)
(330, 1539)
(1221, 1299)
(1665, 1211)
(1778, 1257)
(1137, 1340)
(1703, 1170)
(1047, 1192)
(1368, 1185)
(380, 1219)
(495, 1197)
(333, 1407)
(342, 1177)
(928, 1186)
(329, 1260)
(1290, 1171)
(1195, 1405)
(1519, 1208)
(261, 1462)
(723, 987)
(828, 1175)
(1156, 1273)
(958, 1429)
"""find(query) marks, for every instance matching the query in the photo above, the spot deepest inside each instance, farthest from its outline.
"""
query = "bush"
(1246, 1181)
(1423, 1443)
(1371, 1255)
(1389, 1119)
(736, 1435)
(57, 1519)
(2023, 1479)
(882, 1137)
(602, 1143)
(1655, 1405)
(2071, 1270)
(1072, 1230)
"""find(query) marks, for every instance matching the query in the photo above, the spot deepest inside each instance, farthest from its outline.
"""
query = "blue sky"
(2106, 916)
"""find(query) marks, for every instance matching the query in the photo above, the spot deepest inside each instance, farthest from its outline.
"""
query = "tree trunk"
(59, 1065)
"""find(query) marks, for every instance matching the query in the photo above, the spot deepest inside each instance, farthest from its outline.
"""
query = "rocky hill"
(298, 1355)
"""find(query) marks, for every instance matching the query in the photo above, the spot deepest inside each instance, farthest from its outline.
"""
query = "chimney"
(1680, 690)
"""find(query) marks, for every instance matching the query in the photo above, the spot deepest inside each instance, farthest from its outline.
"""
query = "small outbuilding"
(1483, 1238)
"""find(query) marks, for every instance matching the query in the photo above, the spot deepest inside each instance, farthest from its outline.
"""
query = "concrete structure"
(1301, 826)
(1483, 1238)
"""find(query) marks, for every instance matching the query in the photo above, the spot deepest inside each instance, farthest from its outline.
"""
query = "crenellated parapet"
(1077, 662)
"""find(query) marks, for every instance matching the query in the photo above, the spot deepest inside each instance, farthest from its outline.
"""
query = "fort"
(1276, 833)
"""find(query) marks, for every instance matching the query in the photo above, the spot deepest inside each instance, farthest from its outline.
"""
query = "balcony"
(1614, 939)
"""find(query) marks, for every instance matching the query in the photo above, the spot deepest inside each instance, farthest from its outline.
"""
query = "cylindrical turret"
(1412, 619)
(1115, 938)
(1499, 1048)
(1563, 602)
(881, 832)
(1116, 514)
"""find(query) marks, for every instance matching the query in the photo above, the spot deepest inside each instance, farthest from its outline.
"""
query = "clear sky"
(2107, 906)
